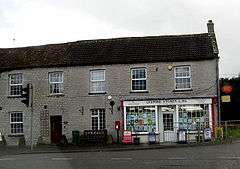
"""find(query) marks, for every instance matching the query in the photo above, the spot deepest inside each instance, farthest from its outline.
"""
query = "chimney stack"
(210, 26)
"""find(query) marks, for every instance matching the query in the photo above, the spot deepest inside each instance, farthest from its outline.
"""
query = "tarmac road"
(226, 156)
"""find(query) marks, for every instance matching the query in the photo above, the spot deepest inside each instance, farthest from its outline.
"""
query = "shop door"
(169, 131)
(56, 129)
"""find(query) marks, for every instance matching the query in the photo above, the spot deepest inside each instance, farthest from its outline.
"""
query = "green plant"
(109, 139)
(234, 133)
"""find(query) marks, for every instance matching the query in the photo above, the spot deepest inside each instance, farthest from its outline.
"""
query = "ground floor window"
(141, 118)
(98, 119)
(193, 117)
(16, 122)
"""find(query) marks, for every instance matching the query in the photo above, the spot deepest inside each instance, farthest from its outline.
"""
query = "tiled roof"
(172, 48)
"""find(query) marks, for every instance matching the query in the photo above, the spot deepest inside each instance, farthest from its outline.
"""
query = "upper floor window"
(56, 83)
(139, 79)
(97, 81)
(16, 122)
(15, 84)
(182, 78)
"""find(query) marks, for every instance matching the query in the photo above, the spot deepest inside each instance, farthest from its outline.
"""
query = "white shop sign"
(167, 102)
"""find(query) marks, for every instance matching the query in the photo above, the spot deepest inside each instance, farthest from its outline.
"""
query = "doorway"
(167, 123)
(56, 129)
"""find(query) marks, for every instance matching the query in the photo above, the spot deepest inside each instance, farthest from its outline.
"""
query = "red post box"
(117, 125)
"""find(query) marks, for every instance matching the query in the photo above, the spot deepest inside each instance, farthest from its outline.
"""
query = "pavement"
(15, 150)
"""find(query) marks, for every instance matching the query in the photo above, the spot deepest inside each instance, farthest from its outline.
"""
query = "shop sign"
(207, 134)
(167, 102)
(127, 137)
(226, 99)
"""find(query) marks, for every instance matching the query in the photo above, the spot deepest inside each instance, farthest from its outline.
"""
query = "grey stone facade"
(76, 102)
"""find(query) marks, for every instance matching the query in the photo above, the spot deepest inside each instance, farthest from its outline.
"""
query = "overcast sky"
(36, 22)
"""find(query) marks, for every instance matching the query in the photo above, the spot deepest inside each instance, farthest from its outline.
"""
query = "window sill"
(182, 90)
(142, 133)
(15, 135)
(144, 91)
(97, 93)
(14, 96)
(56, 95)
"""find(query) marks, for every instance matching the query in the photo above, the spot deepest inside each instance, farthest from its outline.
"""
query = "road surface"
(202, 157)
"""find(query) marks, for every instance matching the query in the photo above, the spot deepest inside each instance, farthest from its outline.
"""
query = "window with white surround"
(56, 83)
(98, 119)
(139, 79)
(16, 122)
(182, 78)
(15, 84)
(97, 81)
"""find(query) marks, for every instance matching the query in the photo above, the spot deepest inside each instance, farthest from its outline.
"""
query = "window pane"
(138, 73)
(16, 79)
(182, 78)
(15, 85)
(16, 123)
(98, 75)
(141, 119)
(139, 85)
(98, 86)
(56, 82)
(168, 122)
(98, 119)
(98, 83)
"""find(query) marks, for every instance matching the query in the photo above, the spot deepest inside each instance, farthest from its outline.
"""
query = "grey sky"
(36, 22)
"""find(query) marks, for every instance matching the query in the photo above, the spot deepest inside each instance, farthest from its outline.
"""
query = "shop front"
(166, 117)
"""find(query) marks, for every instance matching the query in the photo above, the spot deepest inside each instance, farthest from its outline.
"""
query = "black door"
(56, 129)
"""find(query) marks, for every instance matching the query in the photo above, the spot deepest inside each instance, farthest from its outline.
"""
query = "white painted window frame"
(185, 77)
(98, 117)
(19, 84)
(137, 68)
(52, 83)
(97, 81)
(16, 123)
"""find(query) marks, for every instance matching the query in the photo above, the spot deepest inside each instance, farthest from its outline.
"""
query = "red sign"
(117, 125)
(227, 89)
(127, 137)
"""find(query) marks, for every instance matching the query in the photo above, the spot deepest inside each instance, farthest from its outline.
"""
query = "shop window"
(16, 122)
(168, 122)
(15, 84)
(97, 81)
(193, 117)
(182, 78)
(98, 119)
(139, 79)
(141, 118)
(56, 83)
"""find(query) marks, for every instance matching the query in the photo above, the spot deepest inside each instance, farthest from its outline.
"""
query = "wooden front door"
(56, 129)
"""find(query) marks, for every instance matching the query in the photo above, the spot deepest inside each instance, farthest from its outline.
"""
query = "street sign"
(127, 137)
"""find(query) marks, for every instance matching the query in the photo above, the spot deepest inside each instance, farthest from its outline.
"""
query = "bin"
(75, 137)
(136, 140)
(182, 136)
(151, 138)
